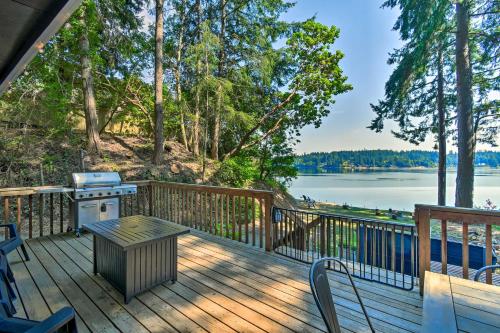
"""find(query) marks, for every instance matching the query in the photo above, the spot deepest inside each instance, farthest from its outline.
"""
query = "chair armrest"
(483, 269)
(12, 229)
(55, 322)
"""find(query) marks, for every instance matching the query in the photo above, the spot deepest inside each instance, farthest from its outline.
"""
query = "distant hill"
(324, 162)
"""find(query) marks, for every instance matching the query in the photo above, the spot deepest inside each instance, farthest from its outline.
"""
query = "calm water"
(392, 189)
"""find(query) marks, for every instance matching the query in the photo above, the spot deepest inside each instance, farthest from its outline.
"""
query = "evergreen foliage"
(324, 162)
(229, 91)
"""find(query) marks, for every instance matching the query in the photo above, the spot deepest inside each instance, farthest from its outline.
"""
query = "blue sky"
(366, 38)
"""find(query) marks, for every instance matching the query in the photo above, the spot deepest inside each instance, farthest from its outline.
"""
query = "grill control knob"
(117, 192)
(109, 193)
(100, 194)
(80, 196)
(91, 195)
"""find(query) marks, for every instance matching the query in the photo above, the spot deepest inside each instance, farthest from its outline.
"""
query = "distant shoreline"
(387, 159)
(336, 170)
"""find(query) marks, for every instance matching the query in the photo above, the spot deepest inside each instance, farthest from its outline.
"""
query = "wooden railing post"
(268, 222)
(489, 254)
(422, 219)
(150, 197)
(6, 213)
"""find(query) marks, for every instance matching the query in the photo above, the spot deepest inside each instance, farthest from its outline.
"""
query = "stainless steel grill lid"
(96, 179)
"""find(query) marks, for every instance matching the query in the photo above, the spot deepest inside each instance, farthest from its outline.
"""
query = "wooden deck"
(223, 286)
(456, 271)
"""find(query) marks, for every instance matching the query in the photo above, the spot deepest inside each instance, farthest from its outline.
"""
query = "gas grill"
(96, 197)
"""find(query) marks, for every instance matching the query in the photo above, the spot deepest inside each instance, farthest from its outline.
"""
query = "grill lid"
(96, 179)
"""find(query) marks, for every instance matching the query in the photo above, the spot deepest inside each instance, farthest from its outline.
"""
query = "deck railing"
(37, 211)
(246, 216)
(243, 215)
(372, 249)
(459, 217)
(240, 214)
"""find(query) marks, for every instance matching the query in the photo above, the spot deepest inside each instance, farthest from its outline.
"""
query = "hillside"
(324, 162)
(29, 158)
(33, 158)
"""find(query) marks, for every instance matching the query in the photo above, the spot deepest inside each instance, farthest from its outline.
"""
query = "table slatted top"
(134, 231)
(453, 304)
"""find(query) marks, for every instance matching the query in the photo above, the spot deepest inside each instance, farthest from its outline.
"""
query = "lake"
(396, 189)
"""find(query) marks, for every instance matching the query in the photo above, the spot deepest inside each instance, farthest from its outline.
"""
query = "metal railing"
(374, 250)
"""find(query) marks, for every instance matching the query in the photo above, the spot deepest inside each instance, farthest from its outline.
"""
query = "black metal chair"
(13, 242)
(483, 269)
(320, 288)
(61, 321)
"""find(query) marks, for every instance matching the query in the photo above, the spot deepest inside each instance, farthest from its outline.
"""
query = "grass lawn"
(384, 215)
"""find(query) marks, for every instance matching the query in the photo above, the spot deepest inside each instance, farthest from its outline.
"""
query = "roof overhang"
(25, 27)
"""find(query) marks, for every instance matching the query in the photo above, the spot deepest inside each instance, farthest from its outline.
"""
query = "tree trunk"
(178, 88)
(243, 143)
(89, 103)
(158, 132)
(222, 55)
(207, 103)
(466, 142)
(181, 111)
(216, 126)
(196, 125)
(196, 121)
(441, 132)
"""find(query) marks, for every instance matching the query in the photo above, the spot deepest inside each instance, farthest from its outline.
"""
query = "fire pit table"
(135, 253)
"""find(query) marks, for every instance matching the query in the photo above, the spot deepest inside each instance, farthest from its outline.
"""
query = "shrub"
(238, 171)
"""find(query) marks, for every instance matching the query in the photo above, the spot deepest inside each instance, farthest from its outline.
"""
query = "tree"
(89, 102)
(477, 74)
(228, 91)
(179, 29)
(422, 82)
(216, 123)
(420, 88)
(158, 131)
(314, 77)
(466, 142)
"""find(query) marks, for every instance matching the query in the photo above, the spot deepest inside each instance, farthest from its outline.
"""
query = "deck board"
(223, 286)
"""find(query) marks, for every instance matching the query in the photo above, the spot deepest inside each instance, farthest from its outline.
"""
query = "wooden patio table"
(135, 253)
(453, 304)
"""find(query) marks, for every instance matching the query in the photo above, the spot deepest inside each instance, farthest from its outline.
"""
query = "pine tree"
(420, 88)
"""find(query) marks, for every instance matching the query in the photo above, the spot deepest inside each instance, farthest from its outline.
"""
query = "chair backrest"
(322, 295)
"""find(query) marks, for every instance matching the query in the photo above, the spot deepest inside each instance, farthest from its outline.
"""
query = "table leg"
(174, 260)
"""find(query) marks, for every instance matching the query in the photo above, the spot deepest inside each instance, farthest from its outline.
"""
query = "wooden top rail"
(216, 189)
(22, 191)
(19, 191)
(139, 182)
(464, 215)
